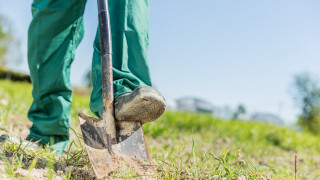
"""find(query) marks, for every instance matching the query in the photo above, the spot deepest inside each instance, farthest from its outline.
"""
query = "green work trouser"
(54, 34)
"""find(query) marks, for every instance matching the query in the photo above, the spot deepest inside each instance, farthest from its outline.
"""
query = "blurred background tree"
(240, 110)
(9, 45)
(87, 78)
(5, 39)
(10, 53)
(307, 96)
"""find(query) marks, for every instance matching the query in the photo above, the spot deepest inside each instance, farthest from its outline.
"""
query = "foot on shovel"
(144, 104)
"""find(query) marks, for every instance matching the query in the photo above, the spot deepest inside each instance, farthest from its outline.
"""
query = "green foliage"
(240, 110)
(10, 52)
(5, 40)
(312, 123)
(308, 98)
(88, 79)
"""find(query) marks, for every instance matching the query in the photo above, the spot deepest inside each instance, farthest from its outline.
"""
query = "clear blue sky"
(227, 52)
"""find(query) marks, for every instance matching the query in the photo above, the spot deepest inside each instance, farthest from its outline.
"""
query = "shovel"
(108, 142)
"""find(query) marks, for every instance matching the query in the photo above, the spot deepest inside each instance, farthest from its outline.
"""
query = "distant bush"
(313, 122)
(13, 76)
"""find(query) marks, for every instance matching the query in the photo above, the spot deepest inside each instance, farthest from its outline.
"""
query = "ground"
(182, 145)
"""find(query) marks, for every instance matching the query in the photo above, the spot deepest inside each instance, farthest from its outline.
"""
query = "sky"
(227, 52)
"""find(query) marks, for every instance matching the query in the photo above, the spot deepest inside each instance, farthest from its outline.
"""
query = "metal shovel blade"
(131, 145)
(131, 142)
(100, 148)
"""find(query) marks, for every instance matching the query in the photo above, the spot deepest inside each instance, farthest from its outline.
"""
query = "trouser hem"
(35, 137)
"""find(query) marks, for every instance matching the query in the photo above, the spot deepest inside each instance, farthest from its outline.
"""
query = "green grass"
(182, 145)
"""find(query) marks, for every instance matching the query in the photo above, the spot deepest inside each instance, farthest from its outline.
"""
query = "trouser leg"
(130, 40)
(54, 34)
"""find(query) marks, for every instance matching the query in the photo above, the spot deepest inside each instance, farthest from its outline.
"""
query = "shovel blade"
(131, 144)
(131, 141)
(99, 147)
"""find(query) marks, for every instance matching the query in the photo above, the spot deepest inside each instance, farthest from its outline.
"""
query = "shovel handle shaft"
(104, 28)
(106, 65)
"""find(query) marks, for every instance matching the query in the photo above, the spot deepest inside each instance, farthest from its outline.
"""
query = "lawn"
(182, 145)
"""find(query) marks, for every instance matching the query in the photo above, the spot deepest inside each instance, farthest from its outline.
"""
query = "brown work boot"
(144, 104)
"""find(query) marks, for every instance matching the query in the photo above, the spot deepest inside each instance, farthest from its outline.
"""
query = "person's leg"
(130, 40)
(54, 33)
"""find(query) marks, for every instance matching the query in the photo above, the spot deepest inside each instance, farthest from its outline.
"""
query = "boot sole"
(144, 105)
